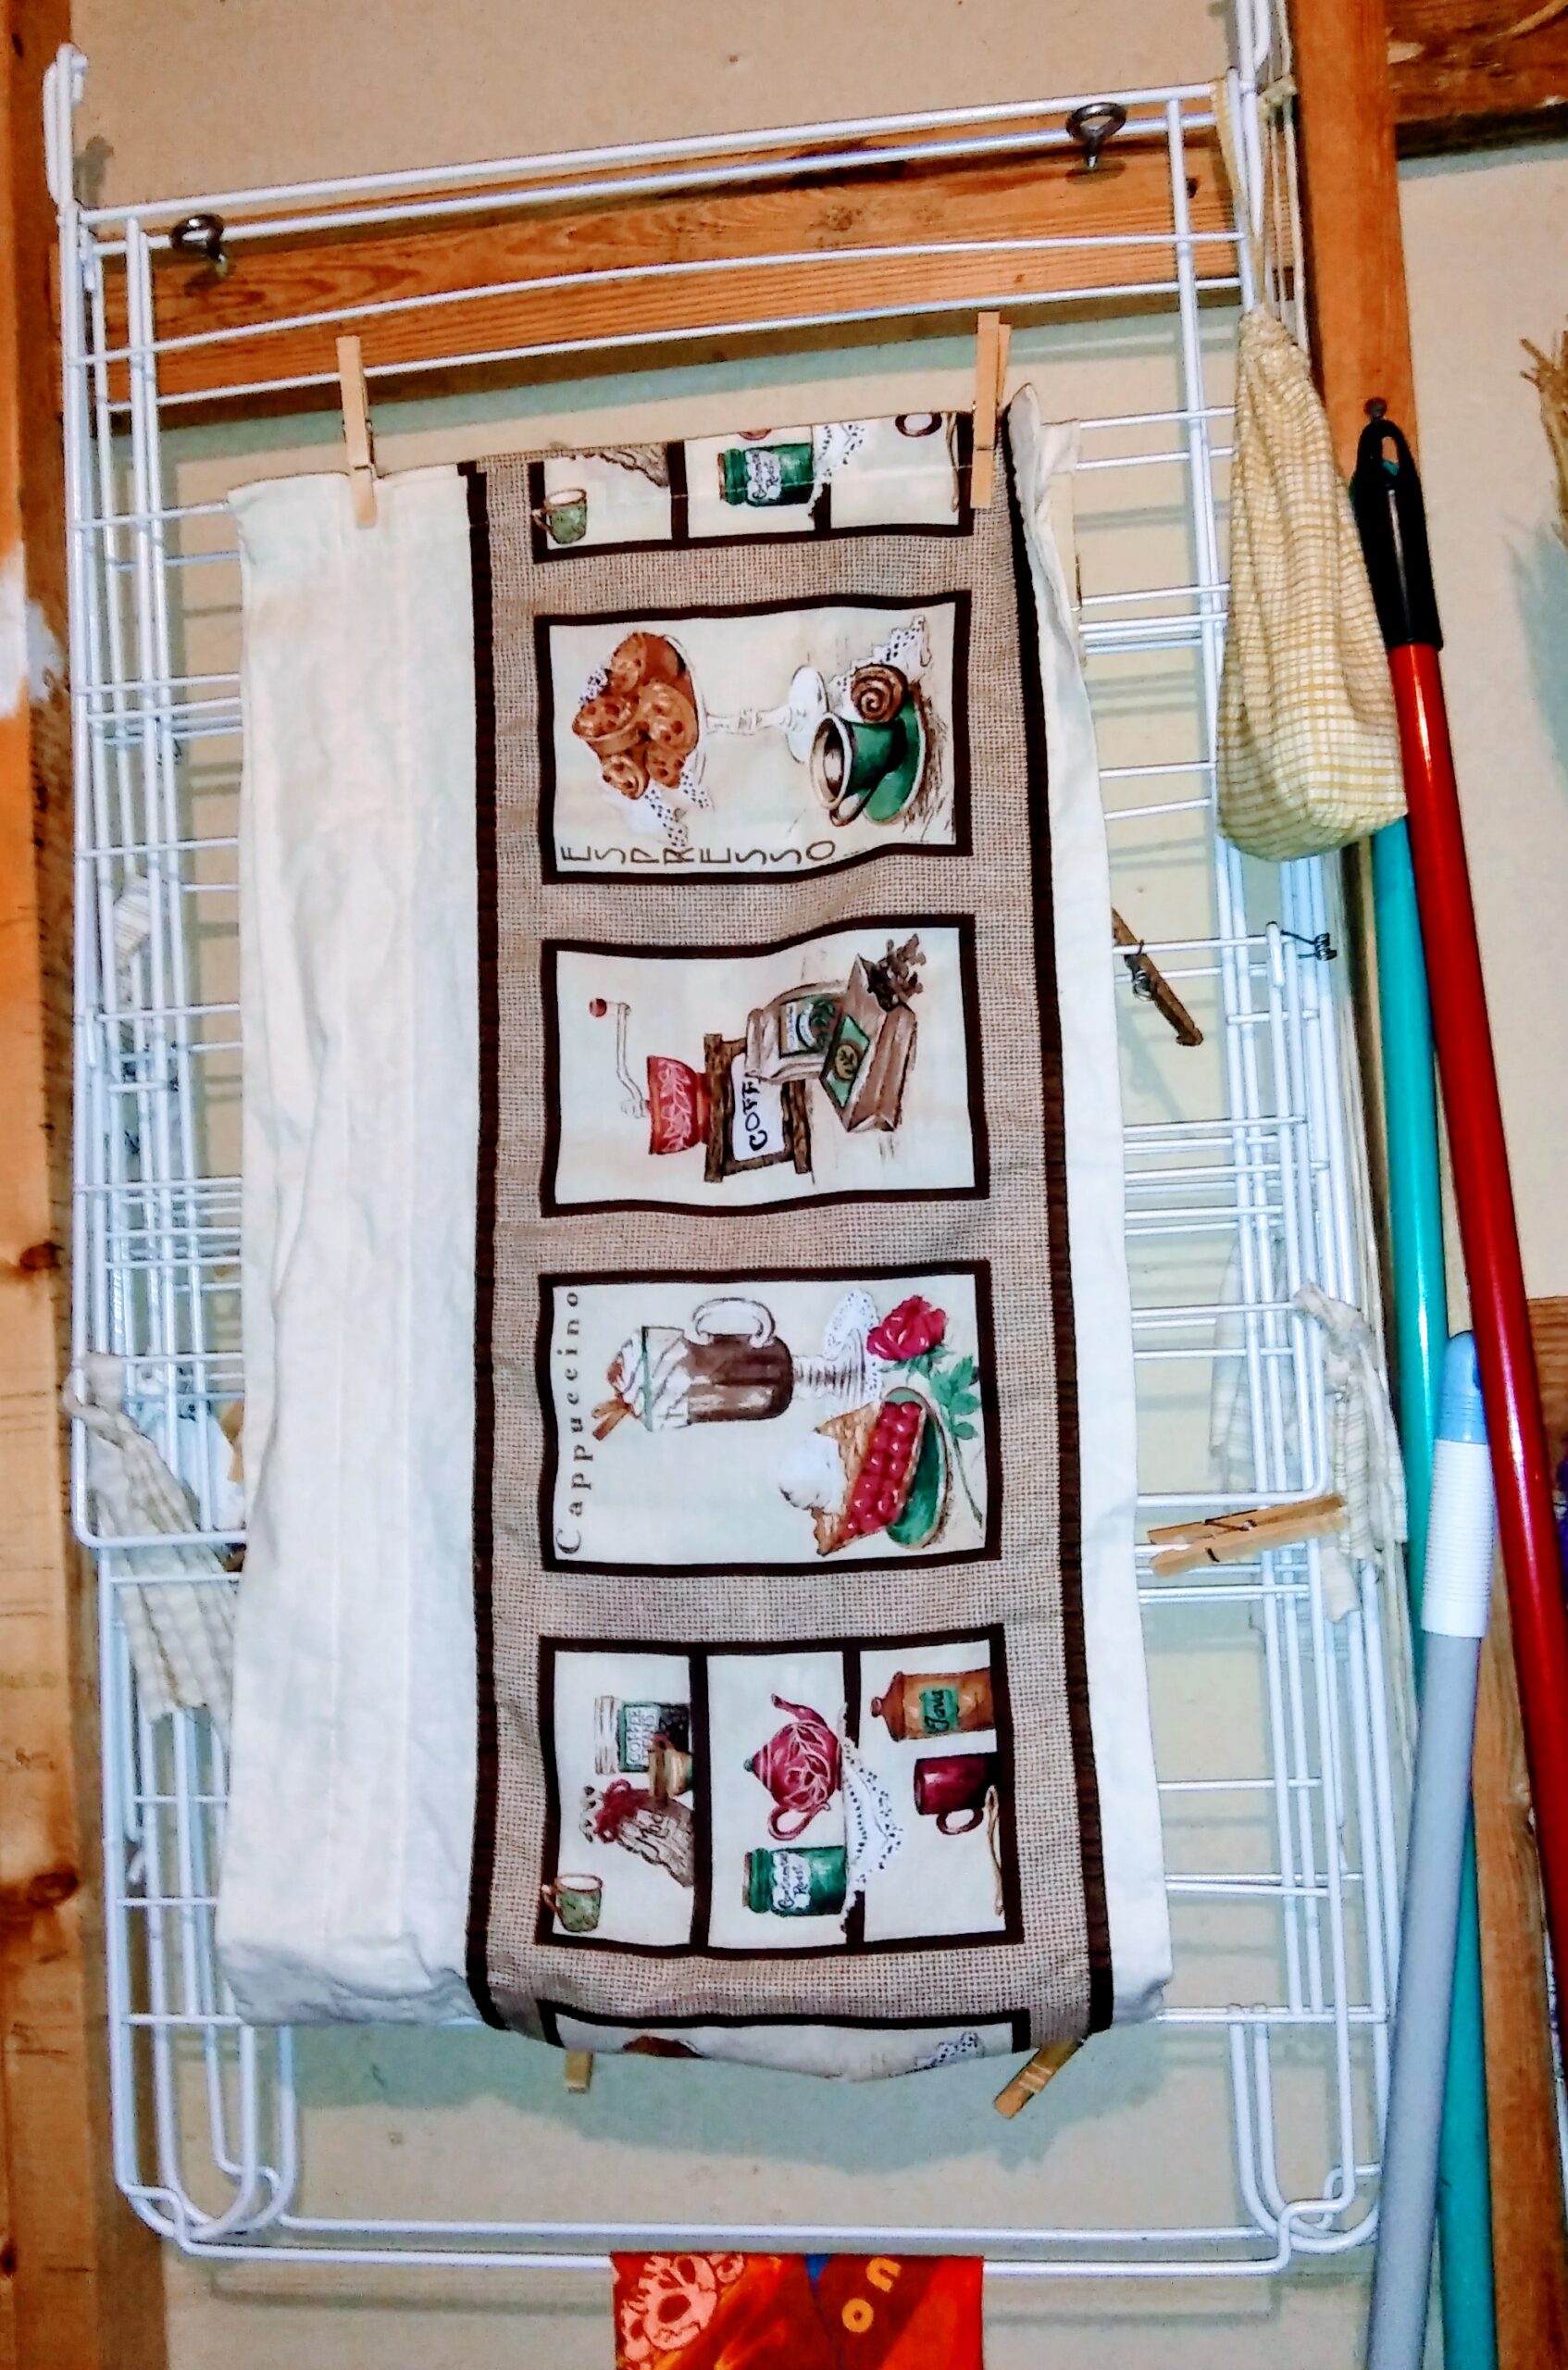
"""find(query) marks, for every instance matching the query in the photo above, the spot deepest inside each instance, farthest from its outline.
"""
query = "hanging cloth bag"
(1308, 747)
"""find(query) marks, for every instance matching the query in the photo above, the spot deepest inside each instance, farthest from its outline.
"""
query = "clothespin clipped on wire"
(357, 433)
(993, 338)
(1150, 981)
(1236, 1537)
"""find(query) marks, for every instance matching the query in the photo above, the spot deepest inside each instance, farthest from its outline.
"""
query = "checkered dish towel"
(1309, 751)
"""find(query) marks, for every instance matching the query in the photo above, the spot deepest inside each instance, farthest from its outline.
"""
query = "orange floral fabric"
(766, 2312)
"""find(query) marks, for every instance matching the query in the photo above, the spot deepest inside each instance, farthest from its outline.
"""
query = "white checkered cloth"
(1309, 751)
(1365, 1464)
(178, 1614)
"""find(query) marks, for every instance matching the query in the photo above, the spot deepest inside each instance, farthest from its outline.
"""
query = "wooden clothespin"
(579, 2070)
(1148, 979)
(357, 433)
(1031, 2079)
(1232, 1539)
(993, 338)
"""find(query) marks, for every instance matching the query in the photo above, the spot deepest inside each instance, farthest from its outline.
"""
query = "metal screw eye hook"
(201, 234)
(1092, 125)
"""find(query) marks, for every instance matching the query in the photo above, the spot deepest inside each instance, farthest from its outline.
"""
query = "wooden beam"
(1361, 326)
(1528, 2256)
(79, 2277)
(1351, 211)
(1471, 73)
(881, 207)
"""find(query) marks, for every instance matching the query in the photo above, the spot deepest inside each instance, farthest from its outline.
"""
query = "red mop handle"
(1392, 520)
(1500, 1313)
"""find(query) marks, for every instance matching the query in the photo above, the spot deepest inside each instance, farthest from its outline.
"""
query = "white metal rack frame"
(1286, 1940)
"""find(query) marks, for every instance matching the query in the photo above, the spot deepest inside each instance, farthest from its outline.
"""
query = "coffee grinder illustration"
(737, 1120)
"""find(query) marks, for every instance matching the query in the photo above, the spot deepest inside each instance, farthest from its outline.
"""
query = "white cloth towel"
(1365, 1464)
(179, 1613)
(344, 1884)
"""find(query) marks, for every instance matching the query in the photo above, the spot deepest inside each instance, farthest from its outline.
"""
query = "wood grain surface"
(1471, 73)
(508, 262)
(1350, 207)
(1529, 2243)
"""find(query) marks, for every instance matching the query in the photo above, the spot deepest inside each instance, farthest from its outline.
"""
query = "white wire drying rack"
(1244, 1171)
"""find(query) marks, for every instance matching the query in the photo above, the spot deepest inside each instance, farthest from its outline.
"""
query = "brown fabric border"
(488, 985)
(552, 2011)
(1102, 1992)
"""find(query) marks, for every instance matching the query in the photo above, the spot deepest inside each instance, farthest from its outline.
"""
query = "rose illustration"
(907, 1331)
(913, 1335)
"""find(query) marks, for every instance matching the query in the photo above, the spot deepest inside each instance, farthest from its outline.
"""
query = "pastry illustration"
(879, 1467)
(639, 717)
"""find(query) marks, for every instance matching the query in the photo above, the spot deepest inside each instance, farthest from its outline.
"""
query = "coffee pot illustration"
(801, 1768)
(727, 1364)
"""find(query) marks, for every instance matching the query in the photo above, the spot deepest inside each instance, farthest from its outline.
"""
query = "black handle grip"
(1391, 515)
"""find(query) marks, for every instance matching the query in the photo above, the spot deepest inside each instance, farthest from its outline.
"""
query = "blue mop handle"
(1462, 1523)
(1461, 1541)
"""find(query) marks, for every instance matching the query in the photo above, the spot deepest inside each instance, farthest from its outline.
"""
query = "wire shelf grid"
(1230, 1206)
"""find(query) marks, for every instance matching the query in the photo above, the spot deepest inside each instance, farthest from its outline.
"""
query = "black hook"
(1092, 125)
(201, 234)
(1392, 516)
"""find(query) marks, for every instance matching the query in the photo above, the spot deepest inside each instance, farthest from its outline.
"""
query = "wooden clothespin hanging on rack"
(1233, 1538)
(1031, 2080)
(993, 338)
(357, 433)
(1149, 981)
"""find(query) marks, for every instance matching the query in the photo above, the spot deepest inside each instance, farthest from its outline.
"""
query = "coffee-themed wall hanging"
(757, 1344)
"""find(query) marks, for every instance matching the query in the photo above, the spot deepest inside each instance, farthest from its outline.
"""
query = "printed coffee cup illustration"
(563, 516)
(868, 755)
(936, 1704)
(953, 1789)
(576, 1901)
(798, 1880)
(801, 1768)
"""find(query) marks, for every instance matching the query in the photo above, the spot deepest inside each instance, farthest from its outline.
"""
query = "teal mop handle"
(1461, 1542)
(1464, 2190)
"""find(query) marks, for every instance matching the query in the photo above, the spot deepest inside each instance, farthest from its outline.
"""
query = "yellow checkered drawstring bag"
(1309, 751)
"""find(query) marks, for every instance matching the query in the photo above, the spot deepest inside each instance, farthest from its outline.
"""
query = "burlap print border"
(886, 1377)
